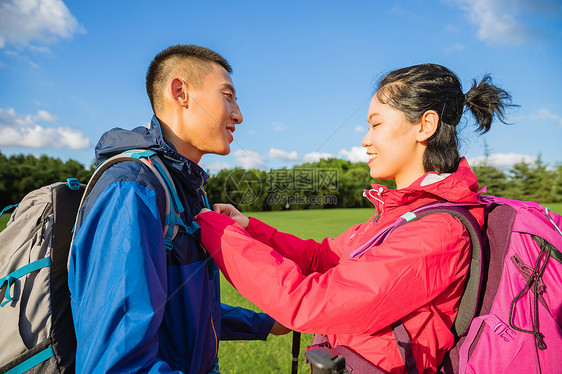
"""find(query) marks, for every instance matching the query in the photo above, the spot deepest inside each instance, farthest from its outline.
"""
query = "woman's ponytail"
(485, 101)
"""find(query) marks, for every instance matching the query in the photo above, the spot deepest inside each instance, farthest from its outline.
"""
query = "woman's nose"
(366, 142)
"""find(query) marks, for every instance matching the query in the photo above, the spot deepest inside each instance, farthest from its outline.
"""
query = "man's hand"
(232, 212)
(279, 329)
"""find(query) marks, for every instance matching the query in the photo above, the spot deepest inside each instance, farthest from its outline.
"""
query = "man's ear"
(428, 123)
(178, 91)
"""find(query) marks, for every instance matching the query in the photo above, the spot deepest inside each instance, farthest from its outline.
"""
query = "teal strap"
(139, 154)
(408, 216)
(8, 208)
(174, 196)
(73, 183)
(11, 278)
(206, 200)
(174, 220)
(44, 355)
(549, 218)
(193, 229)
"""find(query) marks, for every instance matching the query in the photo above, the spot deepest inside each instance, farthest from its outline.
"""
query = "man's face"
(212, 115)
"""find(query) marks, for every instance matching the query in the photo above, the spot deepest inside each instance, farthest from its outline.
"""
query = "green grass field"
(274, 355)
(3, 220)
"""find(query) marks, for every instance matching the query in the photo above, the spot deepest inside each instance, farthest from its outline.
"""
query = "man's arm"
(117, 279)
(243, 324)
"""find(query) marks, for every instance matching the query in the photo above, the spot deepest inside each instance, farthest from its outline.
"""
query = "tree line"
(21, 174)
(331, 183)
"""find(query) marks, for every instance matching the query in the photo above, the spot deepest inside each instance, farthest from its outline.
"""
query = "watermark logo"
(287, 199)
(303, 180)
(302, 186)
(242, 187)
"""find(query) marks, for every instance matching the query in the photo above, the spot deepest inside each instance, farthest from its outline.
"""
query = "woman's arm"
(308, 254)
(357, 296)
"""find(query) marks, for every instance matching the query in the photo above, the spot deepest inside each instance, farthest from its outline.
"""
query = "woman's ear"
(428, 123)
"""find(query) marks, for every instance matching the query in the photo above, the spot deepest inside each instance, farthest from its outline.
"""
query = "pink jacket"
(417, 275)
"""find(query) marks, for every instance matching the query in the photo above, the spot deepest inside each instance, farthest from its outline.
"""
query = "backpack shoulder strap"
(469, 301)
(172, 221)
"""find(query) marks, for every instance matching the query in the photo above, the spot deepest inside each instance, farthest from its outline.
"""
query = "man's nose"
(236, 114)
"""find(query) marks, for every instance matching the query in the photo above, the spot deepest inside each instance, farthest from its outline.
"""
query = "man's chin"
(224, 151)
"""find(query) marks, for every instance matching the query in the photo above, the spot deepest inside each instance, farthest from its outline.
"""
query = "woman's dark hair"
(417, 89)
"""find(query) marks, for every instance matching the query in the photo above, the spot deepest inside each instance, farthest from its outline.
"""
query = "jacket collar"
(460, 186)
(118, 140)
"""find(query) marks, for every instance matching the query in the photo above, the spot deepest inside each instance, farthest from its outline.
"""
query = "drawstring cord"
(534, 281)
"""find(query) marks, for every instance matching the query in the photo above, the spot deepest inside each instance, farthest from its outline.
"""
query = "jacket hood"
(459, 187)
(118, 140)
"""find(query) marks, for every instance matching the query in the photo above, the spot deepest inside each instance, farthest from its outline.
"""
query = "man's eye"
(229, 95)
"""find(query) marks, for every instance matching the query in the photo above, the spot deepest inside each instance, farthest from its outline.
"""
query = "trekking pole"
(296, 350)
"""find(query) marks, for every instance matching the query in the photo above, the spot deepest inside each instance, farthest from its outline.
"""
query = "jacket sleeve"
(118, 284)
(358, 296)
(244, 324)
(308, 254)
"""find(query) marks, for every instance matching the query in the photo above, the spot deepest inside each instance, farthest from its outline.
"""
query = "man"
(136, 308)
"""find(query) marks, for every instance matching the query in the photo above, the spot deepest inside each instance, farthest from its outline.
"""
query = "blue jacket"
(134, 307)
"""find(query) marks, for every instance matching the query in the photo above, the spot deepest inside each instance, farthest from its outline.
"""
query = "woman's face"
(392, 146)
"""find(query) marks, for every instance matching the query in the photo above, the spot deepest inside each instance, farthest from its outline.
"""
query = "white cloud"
(23, 131)
(249, 159)
(545, 114)
(43, 115)
(497, 20)
(503, 160)
(355, 154)
(279, 127)
(215, 167)
(360, 129)
(316, 156)
(36, 21)
(282, 155)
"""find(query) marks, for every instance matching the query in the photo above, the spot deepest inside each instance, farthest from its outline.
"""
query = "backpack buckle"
(504, 332)
(73, 184)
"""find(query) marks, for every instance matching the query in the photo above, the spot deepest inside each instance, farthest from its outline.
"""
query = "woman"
(418, 273)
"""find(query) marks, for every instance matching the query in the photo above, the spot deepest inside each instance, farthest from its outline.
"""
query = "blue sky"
(304, 71)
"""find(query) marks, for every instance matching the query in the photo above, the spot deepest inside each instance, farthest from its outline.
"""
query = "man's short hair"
(192, 61)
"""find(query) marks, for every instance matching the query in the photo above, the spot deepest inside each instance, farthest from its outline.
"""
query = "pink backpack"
(510, 315)
(518, 316)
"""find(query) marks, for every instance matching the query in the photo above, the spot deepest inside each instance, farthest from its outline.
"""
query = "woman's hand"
(232, 212)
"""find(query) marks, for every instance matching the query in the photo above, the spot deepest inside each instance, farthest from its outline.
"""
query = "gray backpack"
(37, 331)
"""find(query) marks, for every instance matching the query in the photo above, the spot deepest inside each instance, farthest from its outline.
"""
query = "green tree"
(491, 177)
(539, 185)
(557, 184)
(519, 175)
(21, 174)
